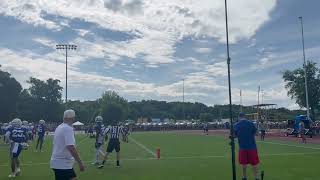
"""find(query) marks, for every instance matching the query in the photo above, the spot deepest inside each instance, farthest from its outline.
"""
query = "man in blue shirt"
(245, 131)
(18, 138)
(41, 130)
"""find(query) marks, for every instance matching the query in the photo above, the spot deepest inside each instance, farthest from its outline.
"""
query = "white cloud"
(46, 42)
(217, 69)
(269, 95)
(277, 59)
(26, 64)
(262, 64)
(157, 25)
(199, 86)
(203, 50)
(82, 32)
(26, 11)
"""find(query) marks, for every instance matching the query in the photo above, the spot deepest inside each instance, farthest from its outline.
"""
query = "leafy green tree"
(86, 111)
(206, 117)
(46, 99)
(10, 89)
(110, 100)
(112, 113)
(295, 84)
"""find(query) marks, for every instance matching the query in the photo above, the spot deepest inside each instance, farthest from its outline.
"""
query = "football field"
(183, 157)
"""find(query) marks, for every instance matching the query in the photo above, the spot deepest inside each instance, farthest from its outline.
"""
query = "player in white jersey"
(99, 129)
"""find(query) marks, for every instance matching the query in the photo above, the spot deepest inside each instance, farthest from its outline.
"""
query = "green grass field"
(183, 157)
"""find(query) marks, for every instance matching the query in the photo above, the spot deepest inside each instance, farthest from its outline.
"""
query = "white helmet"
(16, 122)
(98, 119)
(42, 121)
(25, 123)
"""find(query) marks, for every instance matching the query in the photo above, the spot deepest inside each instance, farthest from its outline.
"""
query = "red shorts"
(248, 157)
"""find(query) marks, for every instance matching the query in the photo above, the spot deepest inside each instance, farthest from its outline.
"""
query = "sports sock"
(118, 163)
(97, 155)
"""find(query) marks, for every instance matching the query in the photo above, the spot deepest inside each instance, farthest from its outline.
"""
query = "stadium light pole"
(66, 47)
(305, 68)
(234, 176)
(184, 115)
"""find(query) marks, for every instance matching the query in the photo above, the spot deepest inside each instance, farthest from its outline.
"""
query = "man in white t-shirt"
(64, 151)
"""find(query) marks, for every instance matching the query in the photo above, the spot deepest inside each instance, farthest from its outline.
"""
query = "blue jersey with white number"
(41, 130)
(99, 133)
(18, 134)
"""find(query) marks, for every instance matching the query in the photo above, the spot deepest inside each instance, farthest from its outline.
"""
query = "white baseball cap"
(69, 114)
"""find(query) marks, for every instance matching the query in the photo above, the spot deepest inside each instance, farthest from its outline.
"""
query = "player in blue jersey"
(99, 129)
(17, 135)
(25, 125)
(41, 131)
(30, 133)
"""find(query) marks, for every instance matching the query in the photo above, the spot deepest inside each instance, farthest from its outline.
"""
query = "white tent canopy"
(78, 123)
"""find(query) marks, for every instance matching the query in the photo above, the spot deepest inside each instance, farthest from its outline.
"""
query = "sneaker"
(100, 166)
(18, 172)
(12, 175)
(95, 163)
(118, 166)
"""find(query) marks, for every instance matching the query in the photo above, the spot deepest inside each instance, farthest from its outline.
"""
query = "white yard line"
(143, 147)
(181, 157)
(102, 153)
(290, 145)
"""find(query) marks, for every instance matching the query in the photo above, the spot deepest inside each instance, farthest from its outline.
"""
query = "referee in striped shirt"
(114, 132)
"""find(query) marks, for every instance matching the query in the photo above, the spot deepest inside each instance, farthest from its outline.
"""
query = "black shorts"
(114, 144)
(97, 145)
(64, 174)
(263, 132)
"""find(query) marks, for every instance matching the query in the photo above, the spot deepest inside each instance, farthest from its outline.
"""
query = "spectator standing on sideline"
(245, 131)
(64, 151)
(262, 128)
(302, 131)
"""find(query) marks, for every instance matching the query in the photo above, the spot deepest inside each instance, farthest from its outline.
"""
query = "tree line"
(43, 100)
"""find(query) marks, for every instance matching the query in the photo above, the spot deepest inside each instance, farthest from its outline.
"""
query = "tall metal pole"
(184, 116)
(258, 106)
(305, 69)
(66, 47)
(234, 176)
(66, 76)
(240, 100)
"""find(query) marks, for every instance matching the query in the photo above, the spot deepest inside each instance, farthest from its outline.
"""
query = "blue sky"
(143, 49)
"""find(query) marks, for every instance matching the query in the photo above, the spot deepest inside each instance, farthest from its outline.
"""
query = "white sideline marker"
(143, 147)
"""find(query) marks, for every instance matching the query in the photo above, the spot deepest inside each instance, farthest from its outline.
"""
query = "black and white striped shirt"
(114, 132)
